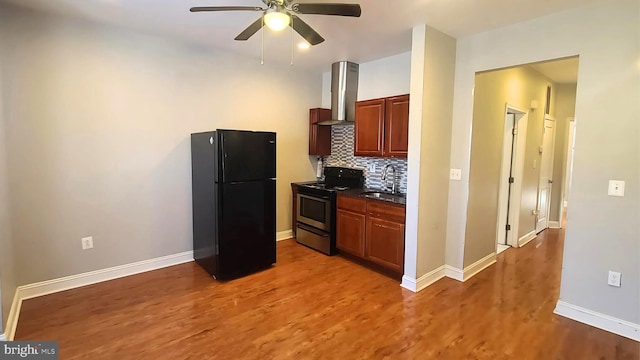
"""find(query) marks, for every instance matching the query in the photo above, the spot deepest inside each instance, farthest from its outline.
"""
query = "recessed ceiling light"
(304, 45)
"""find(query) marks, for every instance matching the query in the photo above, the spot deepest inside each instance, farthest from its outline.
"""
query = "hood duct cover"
(344, 93)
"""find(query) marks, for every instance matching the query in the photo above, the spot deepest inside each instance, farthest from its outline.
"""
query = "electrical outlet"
(372, 168)
(455, 174)
(87, 243)
(614, 278)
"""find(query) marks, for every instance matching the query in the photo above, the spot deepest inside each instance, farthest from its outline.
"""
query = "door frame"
(550, 118)
(520, 139)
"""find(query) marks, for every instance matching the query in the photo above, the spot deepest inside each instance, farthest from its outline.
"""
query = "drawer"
(389, 211)
(352, 204)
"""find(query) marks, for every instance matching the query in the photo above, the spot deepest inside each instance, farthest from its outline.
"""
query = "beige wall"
(432, 69)
(602, 231)
(98, 123)
(437, 105)
(565, 109)
(7, 275)
(493, 90)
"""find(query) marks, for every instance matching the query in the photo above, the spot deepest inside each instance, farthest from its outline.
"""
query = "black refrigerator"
(234, 201)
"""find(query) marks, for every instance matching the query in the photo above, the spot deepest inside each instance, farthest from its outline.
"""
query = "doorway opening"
(513, 151)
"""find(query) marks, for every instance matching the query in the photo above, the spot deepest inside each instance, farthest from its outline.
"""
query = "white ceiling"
(563, 71)
(383, 29)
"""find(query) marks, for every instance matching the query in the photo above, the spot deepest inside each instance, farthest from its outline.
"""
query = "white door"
(510, 194)
(546, 175)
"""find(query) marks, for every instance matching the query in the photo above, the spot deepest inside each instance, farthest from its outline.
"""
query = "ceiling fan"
(282, 13)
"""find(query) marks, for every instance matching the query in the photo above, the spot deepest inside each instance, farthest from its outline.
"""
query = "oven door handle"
(312, 230)
(324, 197)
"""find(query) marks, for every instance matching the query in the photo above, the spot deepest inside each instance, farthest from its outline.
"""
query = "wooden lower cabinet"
(385, 243)
(371, 230)
(350, 231)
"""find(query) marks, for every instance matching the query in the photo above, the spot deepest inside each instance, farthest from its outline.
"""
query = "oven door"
(314, 211)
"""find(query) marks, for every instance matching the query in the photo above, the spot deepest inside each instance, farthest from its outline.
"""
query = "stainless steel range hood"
(344, 93)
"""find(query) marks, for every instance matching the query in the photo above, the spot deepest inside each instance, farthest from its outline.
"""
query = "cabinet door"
(319, 135)
(369, 127)
(385, 243)
(350, 229)
(396, 126)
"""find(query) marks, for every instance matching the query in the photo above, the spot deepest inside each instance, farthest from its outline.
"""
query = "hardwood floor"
(310, 306)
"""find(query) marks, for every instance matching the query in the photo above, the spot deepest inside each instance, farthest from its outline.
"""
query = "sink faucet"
(385, 173)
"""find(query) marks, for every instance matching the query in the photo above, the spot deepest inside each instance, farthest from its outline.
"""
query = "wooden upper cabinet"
(369, 127)
(396, 126)
(382, 127)
(319, 135)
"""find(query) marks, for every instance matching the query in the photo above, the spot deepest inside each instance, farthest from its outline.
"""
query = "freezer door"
(247, 227)
(247, 155)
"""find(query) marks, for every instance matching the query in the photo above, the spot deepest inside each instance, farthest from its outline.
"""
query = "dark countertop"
(361, 193)
(397, 199)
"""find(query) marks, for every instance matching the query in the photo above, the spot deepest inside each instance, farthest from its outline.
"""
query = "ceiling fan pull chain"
(262, 45)
(291, 40)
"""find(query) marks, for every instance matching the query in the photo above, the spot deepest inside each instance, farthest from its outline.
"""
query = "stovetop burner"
(323, 186)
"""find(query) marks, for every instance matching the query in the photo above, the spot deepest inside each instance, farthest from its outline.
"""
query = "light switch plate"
(455, 174)
(614, 278)
(616, 188)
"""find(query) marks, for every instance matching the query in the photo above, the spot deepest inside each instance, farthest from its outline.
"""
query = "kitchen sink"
(383, 196)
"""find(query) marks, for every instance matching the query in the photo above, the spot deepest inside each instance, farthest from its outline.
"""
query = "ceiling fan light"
(276, 21)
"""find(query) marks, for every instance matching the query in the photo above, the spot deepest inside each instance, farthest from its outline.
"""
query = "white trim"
(423, 281)
(93, 277)
(3, 338)
(473, 269)
(284, 235)
(14, 313)
(526, 238)
(554, 225)
(454, 273)
(598, 320)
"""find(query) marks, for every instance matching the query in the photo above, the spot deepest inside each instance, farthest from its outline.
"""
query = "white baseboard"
(473, 269)
(454, 273)
(284, 235)
(554, 225)
(93, 277)
(423, 281)
(14, 313)
(526, 238)
(3, 338)
(598, 320)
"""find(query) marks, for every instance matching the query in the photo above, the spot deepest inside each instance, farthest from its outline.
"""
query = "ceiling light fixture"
(276, 20)
(304, 45)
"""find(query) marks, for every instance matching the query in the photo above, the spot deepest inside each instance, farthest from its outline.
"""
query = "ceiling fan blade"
(250, 30)
(328, 9)
(225, 8)
(302, 28)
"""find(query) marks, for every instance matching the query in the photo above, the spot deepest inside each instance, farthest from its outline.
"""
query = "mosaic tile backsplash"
(342, 142)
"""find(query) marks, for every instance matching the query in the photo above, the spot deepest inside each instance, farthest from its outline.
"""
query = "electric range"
(316, 207)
